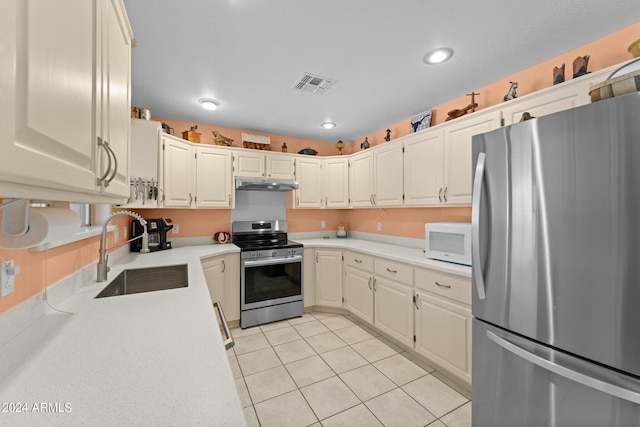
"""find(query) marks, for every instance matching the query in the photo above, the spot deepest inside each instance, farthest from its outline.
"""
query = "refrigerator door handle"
(475, 225)
(563, 371)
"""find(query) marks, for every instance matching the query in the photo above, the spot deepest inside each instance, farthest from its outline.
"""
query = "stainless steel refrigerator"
(556, 269)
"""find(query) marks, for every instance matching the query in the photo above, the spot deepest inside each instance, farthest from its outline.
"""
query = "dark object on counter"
(308, 151)
(157, 230)
(365, 144)
(558, 74)
(580, 66)
(222, 237)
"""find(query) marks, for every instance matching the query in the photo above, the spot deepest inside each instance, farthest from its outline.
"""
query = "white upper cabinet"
(259, 164)
(457, 154)
(179, 185)
(213, 177)
(309, 177)
(388, 165)
(65, 100)
(424, 168)
(336, 182)
(361, 184)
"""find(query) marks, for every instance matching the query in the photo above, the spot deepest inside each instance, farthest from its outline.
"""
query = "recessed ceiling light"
(328, 125)
(209, 104)
(438, 56)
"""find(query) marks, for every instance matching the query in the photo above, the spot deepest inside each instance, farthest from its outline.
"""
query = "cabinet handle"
(359, 261)
(415, 301)
(316, 257)
(103, 145)
(445, 194)
(440, 194)
(392, 271)
(115, 165)
(224, 266)
(374, 285)
(370, 288)
(190, 199)
(229, 197)
(326, 201)
(443, 286)
(371, 199)
(297, 200)
(375, 202)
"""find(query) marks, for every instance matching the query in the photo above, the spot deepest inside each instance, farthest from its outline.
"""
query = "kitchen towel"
(46, 225)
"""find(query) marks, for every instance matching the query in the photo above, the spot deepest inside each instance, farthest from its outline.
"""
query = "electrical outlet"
(175, 229)
(8, 276)
(379, 226)
(116, 235)
(323, 224)
(126, 233)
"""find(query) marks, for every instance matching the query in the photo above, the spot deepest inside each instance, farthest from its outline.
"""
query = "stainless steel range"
(271, 278)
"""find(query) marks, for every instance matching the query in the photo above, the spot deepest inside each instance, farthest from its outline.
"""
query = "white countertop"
(139, 359)
(404, 254)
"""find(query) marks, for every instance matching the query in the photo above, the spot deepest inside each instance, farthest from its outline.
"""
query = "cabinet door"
(309, 176)
(179, 173)
(116, 95)
(223, 280)
(47, 138)
(443, 334)
(280, 166)
(423, 169)
(361, 180)
(329, 278)
(214, 269)
(388, 176)
(336, 183)
(249, 164)
(358, 293)
(213, 177)
(393, 309)
(457, 155)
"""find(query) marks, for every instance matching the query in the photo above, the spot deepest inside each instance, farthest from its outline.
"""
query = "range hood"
(260, 184)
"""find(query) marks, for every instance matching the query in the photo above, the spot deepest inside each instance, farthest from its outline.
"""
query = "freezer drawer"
(517, 382)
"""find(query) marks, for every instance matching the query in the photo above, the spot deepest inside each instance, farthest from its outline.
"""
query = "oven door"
(268, 282)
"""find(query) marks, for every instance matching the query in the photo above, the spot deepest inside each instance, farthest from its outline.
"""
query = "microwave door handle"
(570, 373)
(475, 226)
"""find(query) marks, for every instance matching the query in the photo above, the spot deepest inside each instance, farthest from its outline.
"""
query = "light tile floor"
(324, 369)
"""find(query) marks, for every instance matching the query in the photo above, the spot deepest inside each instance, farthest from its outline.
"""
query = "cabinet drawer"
(393, 270)
(451, 286)
(358, 260)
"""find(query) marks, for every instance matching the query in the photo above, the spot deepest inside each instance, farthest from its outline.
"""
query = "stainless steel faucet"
(103, 267)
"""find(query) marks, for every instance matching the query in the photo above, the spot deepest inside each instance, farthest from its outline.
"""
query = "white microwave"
(448, 241)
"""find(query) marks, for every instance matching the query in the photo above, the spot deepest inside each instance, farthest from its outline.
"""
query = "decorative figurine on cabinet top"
(420, 122)
(340, 146)
(388, 136)
(580, 66)
(365, 144)
(558, 74)
(284, 147)
(220, 139)
(512, 92)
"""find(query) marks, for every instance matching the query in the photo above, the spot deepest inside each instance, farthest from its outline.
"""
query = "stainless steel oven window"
(269, 282)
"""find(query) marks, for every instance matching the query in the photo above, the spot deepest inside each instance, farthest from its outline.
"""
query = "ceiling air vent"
(310, 83)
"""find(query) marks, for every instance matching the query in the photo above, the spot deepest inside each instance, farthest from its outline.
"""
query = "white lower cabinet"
(393, 309)
(223, 279)
(329, 278)
(358, 293)
(443, 321)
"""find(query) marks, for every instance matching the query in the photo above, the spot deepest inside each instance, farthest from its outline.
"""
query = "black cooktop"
(269, 243)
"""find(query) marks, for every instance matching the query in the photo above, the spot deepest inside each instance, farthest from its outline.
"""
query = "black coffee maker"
(157, 230)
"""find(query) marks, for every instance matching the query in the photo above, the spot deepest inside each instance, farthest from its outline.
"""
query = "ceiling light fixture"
(209, 104)
(438, 56)
(328, 125)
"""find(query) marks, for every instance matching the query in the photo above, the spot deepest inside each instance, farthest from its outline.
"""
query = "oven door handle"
(273, 261)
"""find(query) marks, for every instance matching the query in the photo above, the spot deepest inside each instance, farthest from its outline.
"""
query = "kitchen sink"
(152, 279)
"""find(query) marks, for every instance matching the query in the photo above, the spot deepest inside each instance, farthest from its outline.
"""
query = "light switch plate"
(7, 279)
(379, 226)
(175, 229)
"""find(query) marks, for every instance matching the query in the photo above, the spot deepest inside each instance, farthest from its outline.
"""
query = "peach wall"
(43, 269)
(605, 52)
(309, 219)
(324, 148)
(193, 222)
(403, 222)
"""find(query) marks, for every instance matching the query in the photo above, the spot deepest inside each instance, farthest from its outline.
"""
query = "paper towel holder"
(15, 217)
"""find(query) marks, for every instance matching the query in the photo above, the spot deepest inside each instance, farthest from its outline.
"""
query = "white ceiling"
(248, 53)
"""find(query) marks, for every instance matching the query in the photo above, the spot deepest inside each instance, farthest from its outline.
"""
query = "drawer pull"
(415, 301)
(392, 271)
(359, 261)
(443, 286)
(374, 285)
